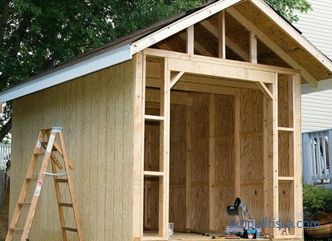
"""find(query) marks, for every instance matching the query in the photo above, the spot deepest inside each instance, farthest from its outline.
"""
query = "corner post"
(298, 192)
(138, 148)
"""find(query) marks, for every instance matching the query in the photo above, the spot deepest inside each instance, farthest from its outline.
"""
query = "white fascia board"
(104, 60)
(322, 85)
(181, 24)
(288, 28)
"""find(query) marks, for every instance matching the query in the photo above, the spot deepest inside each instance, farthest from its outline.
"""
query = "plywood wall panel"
(96, 112)
(251, 163)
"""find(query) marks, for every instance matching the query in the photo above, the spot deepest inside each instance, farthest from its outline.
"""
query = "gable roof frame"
(181, 24)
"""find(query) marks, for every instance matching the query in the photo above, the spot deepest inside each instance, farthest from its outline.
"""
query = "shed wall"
(96, 112)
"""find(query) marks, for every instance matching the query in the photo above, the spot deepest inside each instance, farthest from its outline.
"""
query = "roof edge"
(98, 62)
(181, 24)
(322, 86)
(291, 31)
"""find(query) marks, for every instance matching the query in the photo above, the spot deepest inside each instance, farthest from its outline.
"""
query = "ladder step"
(44, 143)
(34, 177)
(69, 205)
(70, 229)
(62, 180)
(23, 203)
(14, 229)
(55, 174)
(39, 153)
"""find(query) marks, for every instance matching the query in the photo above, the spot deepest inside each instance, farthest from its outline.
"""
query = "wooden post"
(190, 40)
(275, 148)
(138, 149)
(188, 165)
(269, 117)
(164, 152)
(253, 48)
(237, 145)
(212, 119)
(298, 192)
(221, 35)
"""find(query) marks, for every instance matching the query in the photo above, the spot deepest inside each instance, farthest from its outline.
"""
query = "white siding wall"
(317, 111)
(316, 26)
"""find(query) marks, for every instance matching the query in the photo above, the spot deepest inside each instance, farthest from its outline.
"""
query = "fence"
(317, 157)
(4, 153)
(4, 178)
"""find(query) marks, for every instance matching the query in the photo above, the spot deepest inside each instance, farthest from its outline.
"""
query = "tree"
(38, 35)
(288, 8)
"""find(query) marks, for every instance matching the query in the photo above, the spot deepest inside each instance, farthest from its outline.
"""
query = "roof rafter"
(272, 45)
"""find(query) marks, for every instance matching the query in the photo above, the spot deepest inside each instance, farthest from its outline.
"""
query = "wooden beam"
(221, 35)
(212, 166)
(272, 45)
(264, 90)
(188, 165)
(262, 67)
(176, 78)
(190, 40)
(298, 190)
(203, 88)
(253, 48)
(138, 147)
(194, 79)
(196, 65)
(275, 153)
(229, 43)
(289, 29)
(237, 145)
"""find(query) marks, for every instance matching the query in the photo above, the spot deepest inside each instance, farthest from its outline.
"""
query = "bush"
(316, 199)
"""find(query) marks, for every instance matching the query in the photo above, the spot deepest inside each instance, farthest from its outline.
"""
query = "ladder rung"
(63, 180)
(14, 229)
(46, 129)
(39, 153)
(45, 143)
(70, 229)
(69, 205)
(34, 177)
(154, 118)
(55, 174)
(24, 203)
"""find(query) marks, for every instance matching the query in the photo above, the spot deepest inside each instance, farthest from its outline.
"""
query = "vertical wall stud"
(221, 35)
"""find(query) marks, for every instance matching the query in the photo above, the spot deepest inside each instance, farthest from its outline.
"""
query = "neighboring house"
(171, 123)
(317, 102)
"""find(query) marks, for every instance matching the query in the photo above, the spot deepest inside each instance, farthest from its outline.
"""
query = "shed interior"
(217, 151)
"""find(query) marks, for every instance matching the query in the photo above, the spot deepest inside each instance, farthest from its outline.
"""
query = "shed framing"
(266, 78)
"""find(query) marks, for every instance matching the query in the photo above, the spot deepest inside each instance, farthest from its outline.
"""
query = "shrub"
(317, 199)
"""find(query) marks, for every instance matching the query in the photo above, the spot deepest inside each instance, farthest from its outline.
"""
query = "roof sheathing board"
(266, 25)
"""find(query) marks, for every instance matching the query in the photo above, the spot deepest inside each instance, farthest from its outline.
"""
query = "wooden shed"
(172, 123)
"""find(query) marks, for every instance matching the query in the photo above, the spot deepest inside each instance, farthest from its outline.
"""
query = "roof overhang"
(124, 51)
(322, 86)
(104, 60)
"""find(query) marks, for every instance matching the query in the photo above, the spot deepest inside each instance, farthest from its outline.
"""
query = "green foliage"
(317, 199)
(288, 8)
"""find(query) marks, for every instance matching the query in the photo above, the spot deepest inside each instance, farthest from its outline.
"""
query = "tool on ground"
(245, 222)
(50, 145)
